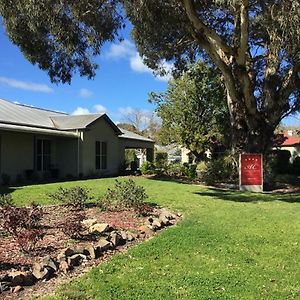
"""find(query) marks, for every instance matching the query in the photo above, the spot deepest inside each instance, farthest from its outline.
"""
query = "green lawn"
(230, 245)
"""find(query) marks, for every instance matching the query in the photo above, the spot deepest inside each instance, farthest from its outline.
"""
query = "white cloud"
(124, 49)
(137, 65)
(25, 85)
(80, 111)
(85, 93)
(100, 109)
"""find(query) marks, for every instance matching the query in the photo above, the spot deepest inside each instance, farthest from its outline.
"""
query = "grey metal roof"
(25, 115)
(133, 136)
(20, 117)
(74, 122)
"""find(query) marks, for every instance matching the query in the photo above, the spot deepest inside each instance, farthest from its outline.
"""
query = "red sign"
(251, 169)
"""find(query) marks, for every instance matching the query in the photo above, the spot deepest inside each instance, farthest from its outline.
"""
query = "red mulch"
(11, 256)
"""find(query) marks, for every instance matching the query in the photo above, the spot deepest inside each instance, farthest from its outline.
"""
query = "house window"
(101, 155)
(43, 155)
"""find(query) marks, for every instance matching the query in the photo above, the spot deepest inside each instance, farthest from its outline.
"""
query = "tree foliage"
(254, 44)
(61, 36)
(193, 110)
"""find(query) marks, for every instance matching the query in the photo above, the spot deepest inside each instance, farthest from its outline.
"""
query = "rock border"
(70, 258)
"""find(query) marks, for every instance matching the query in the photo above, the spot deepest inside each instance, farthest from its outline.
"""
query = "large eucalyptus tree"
(255, 44)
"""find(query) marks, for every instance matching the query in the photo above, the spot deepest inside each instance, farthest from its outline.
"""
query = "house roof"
(74, 122)
(291, 141)
(133, 136)
(22, 115)
(19, 117)
(13, 113)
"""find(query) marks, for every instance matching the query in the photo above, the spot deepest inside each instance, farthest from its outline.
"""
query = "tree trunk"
(250, 132)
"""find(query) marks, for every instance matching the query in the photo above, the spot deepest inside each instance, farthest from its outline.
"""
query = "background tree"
(143, 122)
(193, 110)
(254, 44)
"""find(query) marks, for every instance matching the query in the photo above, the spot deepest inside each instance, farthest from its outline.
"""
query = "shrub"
(147, 168)
(201, 169)
(223, 169)
(174, 169)
(130, 156)
(23, 223)
(161, 159)
(189, 170)
(5, 179)
(279, 161)
(75, 196)
(295, 168)
(72, 225)
(124, 195)
(6, 200)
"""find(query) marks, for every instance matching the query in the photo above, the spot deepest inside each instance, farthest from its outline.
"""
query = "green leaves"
(61, 36)
(193, 110)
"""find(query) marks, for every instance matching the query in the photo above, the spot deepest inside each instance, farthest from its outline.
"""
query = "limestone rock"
(156, 224)
(90, 251)
(102, 246)
(4, 286)
(130, 237)
(123, 235)
(166, 214)
(87, 223)
(116, 239)
(41, 272)
(49, 262)
(65, 253)
(165, 221)
(99, 228)
(145, 229)
(76, 260)
(64, 267)
(17, 289)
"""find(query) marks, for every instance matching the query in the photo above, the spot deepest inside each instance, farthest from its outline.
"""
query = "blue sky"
(122, 83)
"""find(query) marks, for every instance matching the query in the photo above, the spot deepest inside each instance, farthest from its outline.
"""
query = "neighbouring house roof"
(133, 136)
(290, 141)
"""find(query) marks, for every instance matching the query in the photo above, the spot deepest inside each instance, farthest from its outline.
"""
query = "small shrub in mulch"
(75, 196)
(23, 224)
(125, 195)
(6, 200)
(72, 225)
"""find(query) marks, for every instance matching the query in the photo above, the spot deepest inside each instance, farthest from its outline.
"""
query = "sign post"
(251, 172)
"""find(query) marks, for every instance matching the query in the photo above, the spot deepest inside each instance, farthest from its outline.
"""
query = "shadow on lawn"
(237, 196)
(6, 190)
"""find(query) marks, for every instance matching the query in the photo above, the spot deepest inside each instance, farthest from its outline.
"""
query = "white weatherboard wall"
(103, 132)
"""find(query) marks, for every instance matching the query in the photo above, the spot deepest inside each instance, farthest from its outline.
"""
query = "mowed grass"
(229, 245)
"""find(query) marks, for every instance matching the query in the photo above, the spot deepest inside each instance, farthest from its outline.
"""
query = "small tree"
(193, 110)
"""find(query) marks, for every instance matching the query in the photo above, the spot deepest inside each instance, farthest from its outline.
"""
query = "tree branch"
(223, 50)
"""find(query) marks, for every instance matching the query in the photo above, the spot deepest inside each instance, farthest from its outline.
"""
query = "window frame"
(101, 155)
(43, 166)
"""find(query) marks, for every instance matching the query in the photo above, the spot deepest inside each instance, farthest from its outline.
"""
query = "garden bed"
(126, 222)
